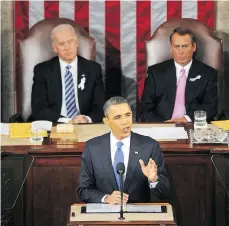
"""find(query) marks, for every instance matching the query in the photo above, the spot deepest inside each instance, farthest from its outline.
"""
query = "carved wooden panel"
(191, 180)
(54, 188)
(197, 195)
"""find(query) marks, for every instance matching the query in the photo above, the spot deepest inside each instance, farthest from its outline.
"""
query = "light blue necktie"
(70, 94)
(119, 157)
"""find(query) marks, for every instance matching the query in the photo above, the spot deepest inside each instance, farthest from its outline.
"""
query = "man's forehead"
(181, 38)
(119, 109)
(63, 33)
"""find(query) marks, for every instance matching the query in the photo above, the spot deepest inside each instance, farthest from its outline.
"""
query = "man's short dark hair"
(114, 101)
(184, 31)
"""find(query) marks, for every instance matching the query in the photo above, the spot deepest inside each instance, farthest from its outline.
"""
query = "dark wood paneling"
(54, 183)
(191, 183)
(227, 196)
(12, 177)
(220, 198)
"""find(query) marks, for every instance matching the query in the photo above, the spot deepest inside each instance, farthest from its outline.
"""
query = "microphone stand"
(121, 190)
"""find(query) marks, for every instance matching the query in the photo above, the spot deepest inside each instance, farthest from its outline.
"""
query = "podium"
(76, 217)
(14, 170)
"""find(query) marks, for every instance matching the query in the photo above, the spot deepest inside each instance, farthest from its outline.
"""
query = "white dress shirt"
(126, 151)
(178, 74)
(74, 70)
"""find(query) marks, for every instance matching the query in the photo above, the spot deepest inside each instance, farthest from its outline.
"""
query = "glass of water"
(200, 120)
(36, 135)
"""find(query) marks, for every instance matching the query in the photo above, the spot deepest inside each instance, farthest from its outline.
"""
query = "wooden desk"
(197, 194)
(157, 219)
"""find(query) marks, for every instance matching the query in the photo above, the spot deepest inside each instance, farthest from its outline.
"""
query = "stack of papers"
(103, 208)
(108, 208)
(5, 130)
(24, 130)
(42, 124)
(143, 208)
(224, 124)
(163, 133)
(20, 130)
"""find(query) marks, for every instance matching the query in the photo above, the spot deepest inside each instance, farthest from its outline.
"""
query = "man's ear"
(105, 120)
(54, 47)
(194, 47)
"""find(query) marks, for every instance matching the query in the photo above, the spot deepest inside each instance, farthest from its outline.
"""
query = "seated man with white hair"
(67, 86)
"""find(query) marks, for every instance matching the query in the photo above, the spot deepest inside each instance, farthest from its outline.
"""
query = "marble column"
(7, 61)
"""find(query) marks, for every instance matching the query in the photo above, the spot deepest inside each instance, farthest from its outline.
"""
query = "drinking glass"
(36, 135)
(198, 135)
(200, 120)
(221, 134)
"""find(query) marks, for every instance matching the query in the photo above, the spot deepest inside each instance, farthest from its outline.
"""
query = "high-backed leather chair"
(209, 48)
(36, 48)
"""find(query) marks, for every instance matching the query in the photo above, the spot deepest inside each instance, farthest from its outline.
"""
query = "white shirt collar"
(114, 141)
(186, 67)
(73, 64)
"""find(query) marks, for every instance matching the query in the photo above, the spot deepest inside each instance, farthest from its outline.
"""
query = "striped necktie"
(70, 94)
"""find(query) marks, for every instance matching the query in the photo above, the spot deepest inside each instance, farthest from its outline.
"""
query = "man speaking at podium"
(145, 179)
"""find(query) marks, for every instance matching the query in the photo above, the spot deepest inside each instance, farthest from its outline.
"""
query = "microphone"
(120, 169)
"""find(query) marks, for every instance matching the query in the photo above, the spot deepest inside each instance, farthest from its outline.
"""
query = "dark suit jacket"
(159, 93)
(97, 176)
(47, 90)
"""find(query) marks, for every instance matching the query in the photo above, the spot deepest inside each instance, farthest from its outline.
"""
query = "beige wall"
(7, 65)
(222, 16)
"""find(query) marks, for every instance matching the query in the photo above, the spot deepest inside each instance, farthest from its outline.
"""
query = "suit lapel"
(172, 86)
(56, 81)
(79, 77)
(107, 163)
(190, 86)
(133, 162)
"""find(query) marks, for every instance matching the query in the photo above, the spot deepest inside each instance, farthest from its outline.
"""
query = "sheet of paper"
(23, 130)
(44, 125)
(5, 129)
(20, 130)
(162, 133)
(103, 208)
(144, 208)
(64, 120)
(108, 208)
(6, 141)
(224, 124)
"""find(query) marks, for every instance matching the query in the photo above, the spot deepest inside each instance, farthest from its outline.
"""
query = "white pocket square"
(194, 79)
(82, 82)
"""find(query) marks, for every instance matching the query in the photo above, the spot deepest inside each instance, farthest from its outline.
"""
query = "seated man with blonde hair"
(67, 86)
